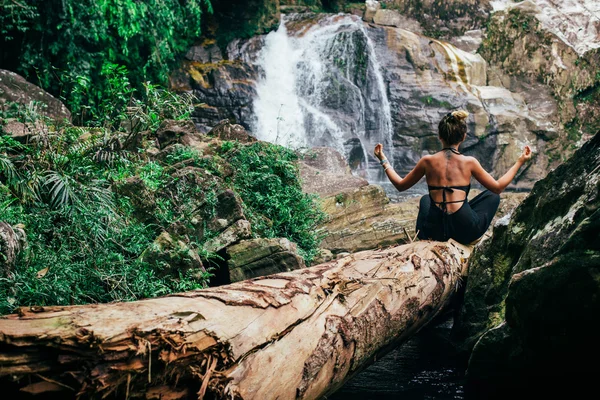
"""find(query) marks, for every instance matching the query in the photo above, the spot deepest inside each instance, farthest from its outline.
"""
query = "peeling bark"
(296, 335)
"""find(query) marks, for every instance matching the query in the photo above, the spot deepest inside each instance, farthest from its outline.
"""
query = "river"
(425, 367)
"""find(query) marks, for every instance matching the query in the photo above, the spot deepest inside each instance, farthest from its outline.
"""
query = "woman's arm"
(498, 186)
(401, 184)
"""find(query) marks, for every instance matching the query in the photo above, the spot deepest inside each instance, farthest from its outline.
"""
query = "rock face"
(324, 171)
(427, 78)
(14, 88)
(364, 218)
(444, 19)
(394, 18)
(225, 90)
(260, 257)
(548, 42)
(422, 79)
(532, 299)
(361, 219)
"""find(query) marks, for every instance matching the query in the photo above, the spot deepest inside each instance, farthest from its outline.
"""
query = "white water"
(324, 87)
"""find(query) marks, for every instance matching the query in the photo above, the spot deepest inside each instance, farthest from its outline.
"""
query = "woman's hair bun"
(460, 115)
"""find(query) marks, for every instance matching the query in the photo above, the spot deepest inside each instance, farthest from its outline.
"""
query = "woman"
(445, 212)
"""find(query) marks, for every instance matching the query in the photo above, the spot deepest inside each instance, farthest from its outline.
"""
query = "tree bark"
(296, 335)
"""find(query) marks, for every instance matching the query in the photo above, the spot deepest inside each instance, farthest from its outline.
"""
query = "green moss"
(430, 100)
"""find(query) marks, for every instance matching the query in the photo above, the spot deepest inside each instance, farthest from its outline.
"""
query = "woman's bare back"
(447, 169)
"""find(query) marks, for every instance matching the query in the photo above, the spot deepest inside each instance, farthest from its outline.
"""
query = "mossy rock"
(541, 273)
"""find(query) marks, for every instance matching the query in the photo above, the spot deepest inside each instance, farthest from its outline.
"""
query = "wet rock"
(224, 90)
(14, 88)
(532, 296)
(260, 257)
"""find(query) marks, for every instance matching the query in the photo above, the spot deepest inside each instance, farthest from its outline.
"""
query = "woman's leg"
(424, 207)
(485, 205)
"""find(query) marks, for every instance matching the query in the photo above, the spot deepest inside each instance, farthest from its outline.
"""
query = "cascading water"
(322, 86)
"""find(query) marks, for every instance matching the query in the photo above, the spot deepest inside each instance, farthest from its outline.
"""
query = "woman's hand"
(526, 156)
(379, 152)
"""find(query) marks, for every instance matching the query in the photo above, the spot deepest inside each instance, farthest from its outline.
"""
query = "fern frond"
(60, 191)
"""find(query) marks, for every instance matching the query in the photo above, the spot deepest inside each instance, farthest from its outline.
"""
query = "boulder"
(237, 231)
(324, 171)
(388, 17)
(217, 218)
(142, 198)
(205, 53)
(363, 218)
(22, 132)
(228, 131)
(14, 88)
(260, 257)
(171, 255)
(371, 8)
(532, 297)
(470, 41)
(174, 131)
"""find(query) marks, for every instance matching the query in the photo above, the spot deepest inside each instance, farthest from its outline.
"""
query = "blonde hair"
(453, 127)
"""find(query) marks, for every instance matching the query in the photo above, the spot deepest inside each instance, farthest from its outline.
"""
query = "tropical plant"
(64, 44)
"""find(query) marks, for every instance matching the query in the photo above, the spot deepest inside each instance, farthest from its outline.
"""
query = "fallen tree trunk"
(296, 335)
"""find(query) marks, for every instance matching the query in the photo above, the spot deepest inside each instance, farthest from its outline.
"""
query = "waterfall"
(322, 85)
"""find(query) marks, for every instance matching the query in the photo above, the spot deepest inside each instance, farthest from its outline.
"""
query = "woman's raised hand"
(527, 153)
(379, 151)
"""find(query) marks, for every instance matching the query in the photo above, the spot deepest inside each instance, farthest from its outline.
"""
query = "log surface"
(297, 335)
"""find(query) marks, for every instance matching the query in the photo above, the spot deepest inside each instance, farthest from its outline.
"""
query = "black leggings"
(465, 225)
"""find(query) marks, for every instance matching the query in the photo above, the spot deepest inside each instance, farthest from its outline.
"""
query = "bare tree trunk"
(297, 335)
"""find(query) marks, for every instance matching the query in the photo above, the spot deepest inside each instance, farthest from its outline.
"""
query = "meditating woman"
(445, 212)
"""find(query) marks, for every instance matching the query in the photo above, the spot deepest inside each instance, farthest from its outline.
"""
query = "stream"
(425, 367)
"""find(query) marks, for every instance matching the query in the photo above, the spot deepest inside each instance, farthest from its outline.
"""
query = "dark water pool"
(425, 367)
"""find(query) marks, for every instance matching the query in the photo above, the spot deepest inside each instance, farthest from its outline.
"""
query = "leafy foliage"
(85, 238)
(64, 44)
(266, 177)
